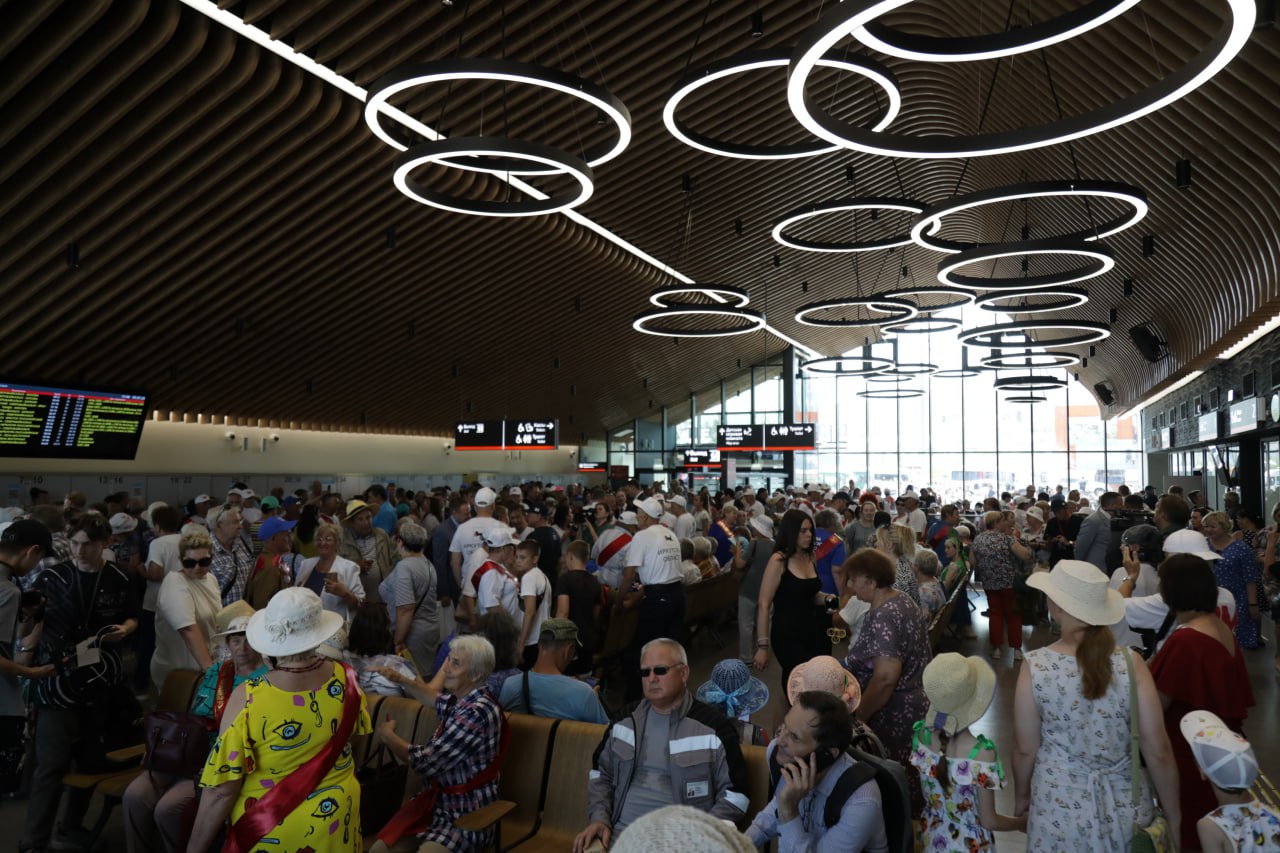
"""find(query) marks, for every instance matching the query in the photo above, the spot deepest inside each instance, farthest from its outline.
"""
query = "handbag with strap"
(415, 816)
(177, 743)
(261, 818)
(382, 780)
(1155, 837)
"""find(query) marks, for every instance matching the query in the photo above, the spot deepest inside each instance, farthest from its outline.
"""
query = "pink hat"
(824, 674)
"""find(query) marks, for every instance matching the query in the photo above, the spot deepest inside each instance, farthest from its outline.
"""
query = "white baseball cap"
(651, 507)
(485, 497)
(1224, 756)
(628, 518)
(677, 500)
(1189, 542)
(498, 536)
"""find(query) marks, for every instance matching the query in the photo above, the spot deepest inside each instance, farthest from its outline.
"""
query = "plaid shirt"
(232, 568)
(465, 742)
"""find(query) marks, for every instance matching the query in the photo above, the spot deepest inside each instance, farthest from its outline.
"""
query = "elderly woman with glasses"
(232, 554)
(186, 611)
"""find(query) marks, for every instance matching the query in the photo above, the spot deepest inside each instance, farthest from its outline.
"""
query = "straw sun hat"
(1081, 590)
(959, 689)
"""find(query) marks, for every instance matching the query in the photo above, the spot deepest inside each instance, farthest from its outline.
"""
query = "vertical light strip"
(259, 37)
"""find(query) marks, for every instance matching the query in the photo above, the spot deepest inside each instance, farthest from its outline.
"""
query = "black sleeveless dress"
(799, 626)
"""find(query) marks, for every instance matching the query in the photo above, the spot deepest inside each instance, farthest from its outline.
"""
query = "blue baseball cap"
(273, 525)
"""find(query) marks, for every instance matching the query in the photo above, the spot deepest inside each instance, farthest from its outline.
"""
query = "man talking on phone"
(824, 800)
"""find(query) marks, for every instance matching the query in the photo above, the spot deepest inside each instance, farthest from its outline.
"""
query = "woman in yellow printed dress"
(282, 769)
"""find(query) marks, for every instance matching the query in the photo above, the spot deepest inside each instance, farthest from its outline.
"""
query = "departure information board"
(69, 423)
(507, 435)
(775, 437)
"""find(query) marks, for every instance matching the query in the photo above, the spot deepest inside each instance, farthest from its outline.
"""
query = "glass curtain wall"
(963, 438)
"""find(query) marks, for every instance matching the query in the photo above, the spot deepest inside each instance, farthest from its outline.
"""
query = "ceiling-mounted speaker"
(1104, 394)
(1152, 347)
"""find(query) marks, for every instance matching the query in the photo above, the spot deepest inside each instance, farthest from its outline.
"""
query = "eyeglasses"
(657, 670)
(203, 562)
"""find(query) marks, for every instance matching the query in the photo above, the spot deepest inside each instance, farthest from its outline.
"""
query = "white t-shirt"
(468, 537)
(655, 552)
(610, 572)
(684, 526)
(916, 520)
(163, 552)
(499, 588)
(535, 583)
(469, 566)
(668, 520)
(181, 603)
(1148, 613)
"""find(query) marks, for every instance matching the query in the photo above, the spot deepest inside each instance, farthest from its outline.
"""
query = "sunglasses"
(203, 562)
(657, 670)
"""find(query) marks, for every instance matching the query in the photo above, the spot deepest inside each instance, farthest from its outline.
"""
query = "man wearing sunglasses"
(668, 749)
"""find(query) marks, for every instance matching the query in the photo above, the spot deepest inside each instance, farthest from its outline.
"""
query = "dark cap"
(537, 509)
(24, 533)
(560, 629)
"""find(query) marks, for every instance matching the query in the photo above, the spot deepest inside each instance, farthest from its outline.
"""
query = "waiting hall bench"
(543, 786)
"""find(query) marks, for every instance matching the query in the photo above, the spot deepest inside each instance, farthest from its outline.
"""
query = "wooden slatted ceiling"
(231, 212)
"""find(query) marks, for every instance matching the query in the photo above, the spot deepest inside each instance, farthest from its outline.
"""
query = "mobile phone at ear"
(823, 758)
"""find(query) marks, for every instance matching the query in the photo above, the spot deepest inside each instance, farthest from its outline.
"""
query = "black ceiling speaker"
(1152, 347)
(1104, 394)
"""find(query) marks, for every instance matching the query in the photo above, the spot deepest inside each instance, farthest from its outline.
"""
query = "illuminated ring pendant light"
(445, 152)
(506, 71)
(1029, 382)
(1061, 298)
(1099, 260)
(833, 365)
(896, 309)
(957, 373)
(914, 369)
(792, 217)
(931, 220)
(993, 337)
(1026, 398)
(644, 322)
(852, 16)
(922, 325)
(1028, 359)
(890, 377)
(1027, 38)
(891, 393)
(754, 60)
(957, 298)
(662, 296)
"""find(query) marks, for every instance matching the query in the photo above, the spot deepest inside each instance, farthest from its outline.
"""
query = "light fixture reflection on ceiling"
(851, 18)
(932, 220)
(843, 205)
(755, 60)
(1098, 261)
(504, 71)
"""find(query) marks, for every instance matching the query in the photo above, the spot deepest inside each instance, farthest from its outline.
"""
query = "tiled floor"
(997, 724)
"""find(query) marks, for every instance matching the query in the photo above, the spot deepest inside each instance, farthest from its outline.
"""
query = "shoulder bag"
(270, 810)
(1156, 837)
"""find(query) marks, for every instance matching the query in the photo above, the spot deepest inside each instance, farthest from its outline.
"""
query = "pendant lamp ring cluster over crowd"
(651, 322)
(858, 17)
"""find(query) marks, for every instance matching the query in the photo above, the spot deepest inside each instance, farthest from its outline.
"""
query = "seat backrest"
(526, 766)
(178, 690)
(757, 778)
(574, 746)
(414, 722)
(895, 799)
(618, 633)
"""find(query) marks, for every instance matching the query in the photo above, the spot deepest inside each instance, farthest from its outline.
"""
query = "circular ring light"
(833, 365)
(922, 325)
(1061, 298)
(891, 393)
(957, 373)
(993, 337)
(931, 220)
(1026, 398)
(662, 296)
(851, 17)
(1028, 360)
(895, 310)
(1036, 36)
(839, 205)
(956, 298)
(644, 322)
(914, 369)
(1029, 382)
(1099, 260)
(506, 71)
(754, 60)
(445, 150)
(890, 377)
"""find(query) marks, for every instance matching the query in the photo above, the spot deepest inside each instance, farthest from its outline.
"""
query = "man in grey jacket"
(1095, 532)
(668, 749)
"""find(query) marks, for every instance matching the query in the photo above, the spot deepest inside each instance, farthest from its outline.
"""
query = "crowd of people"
(294, 607)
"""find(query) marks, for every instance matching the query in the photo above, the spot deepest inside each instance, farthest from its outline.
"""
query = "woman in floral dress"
(959, 770)
(1239, 573)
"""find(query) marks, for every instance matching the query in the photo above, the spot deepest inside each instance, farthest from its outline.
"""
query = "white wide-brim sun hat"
(1080, 589)
(293, 622)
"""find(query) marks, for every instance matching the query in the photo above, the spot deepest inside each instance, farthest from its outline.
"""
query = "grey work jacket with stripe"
(705, 760)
